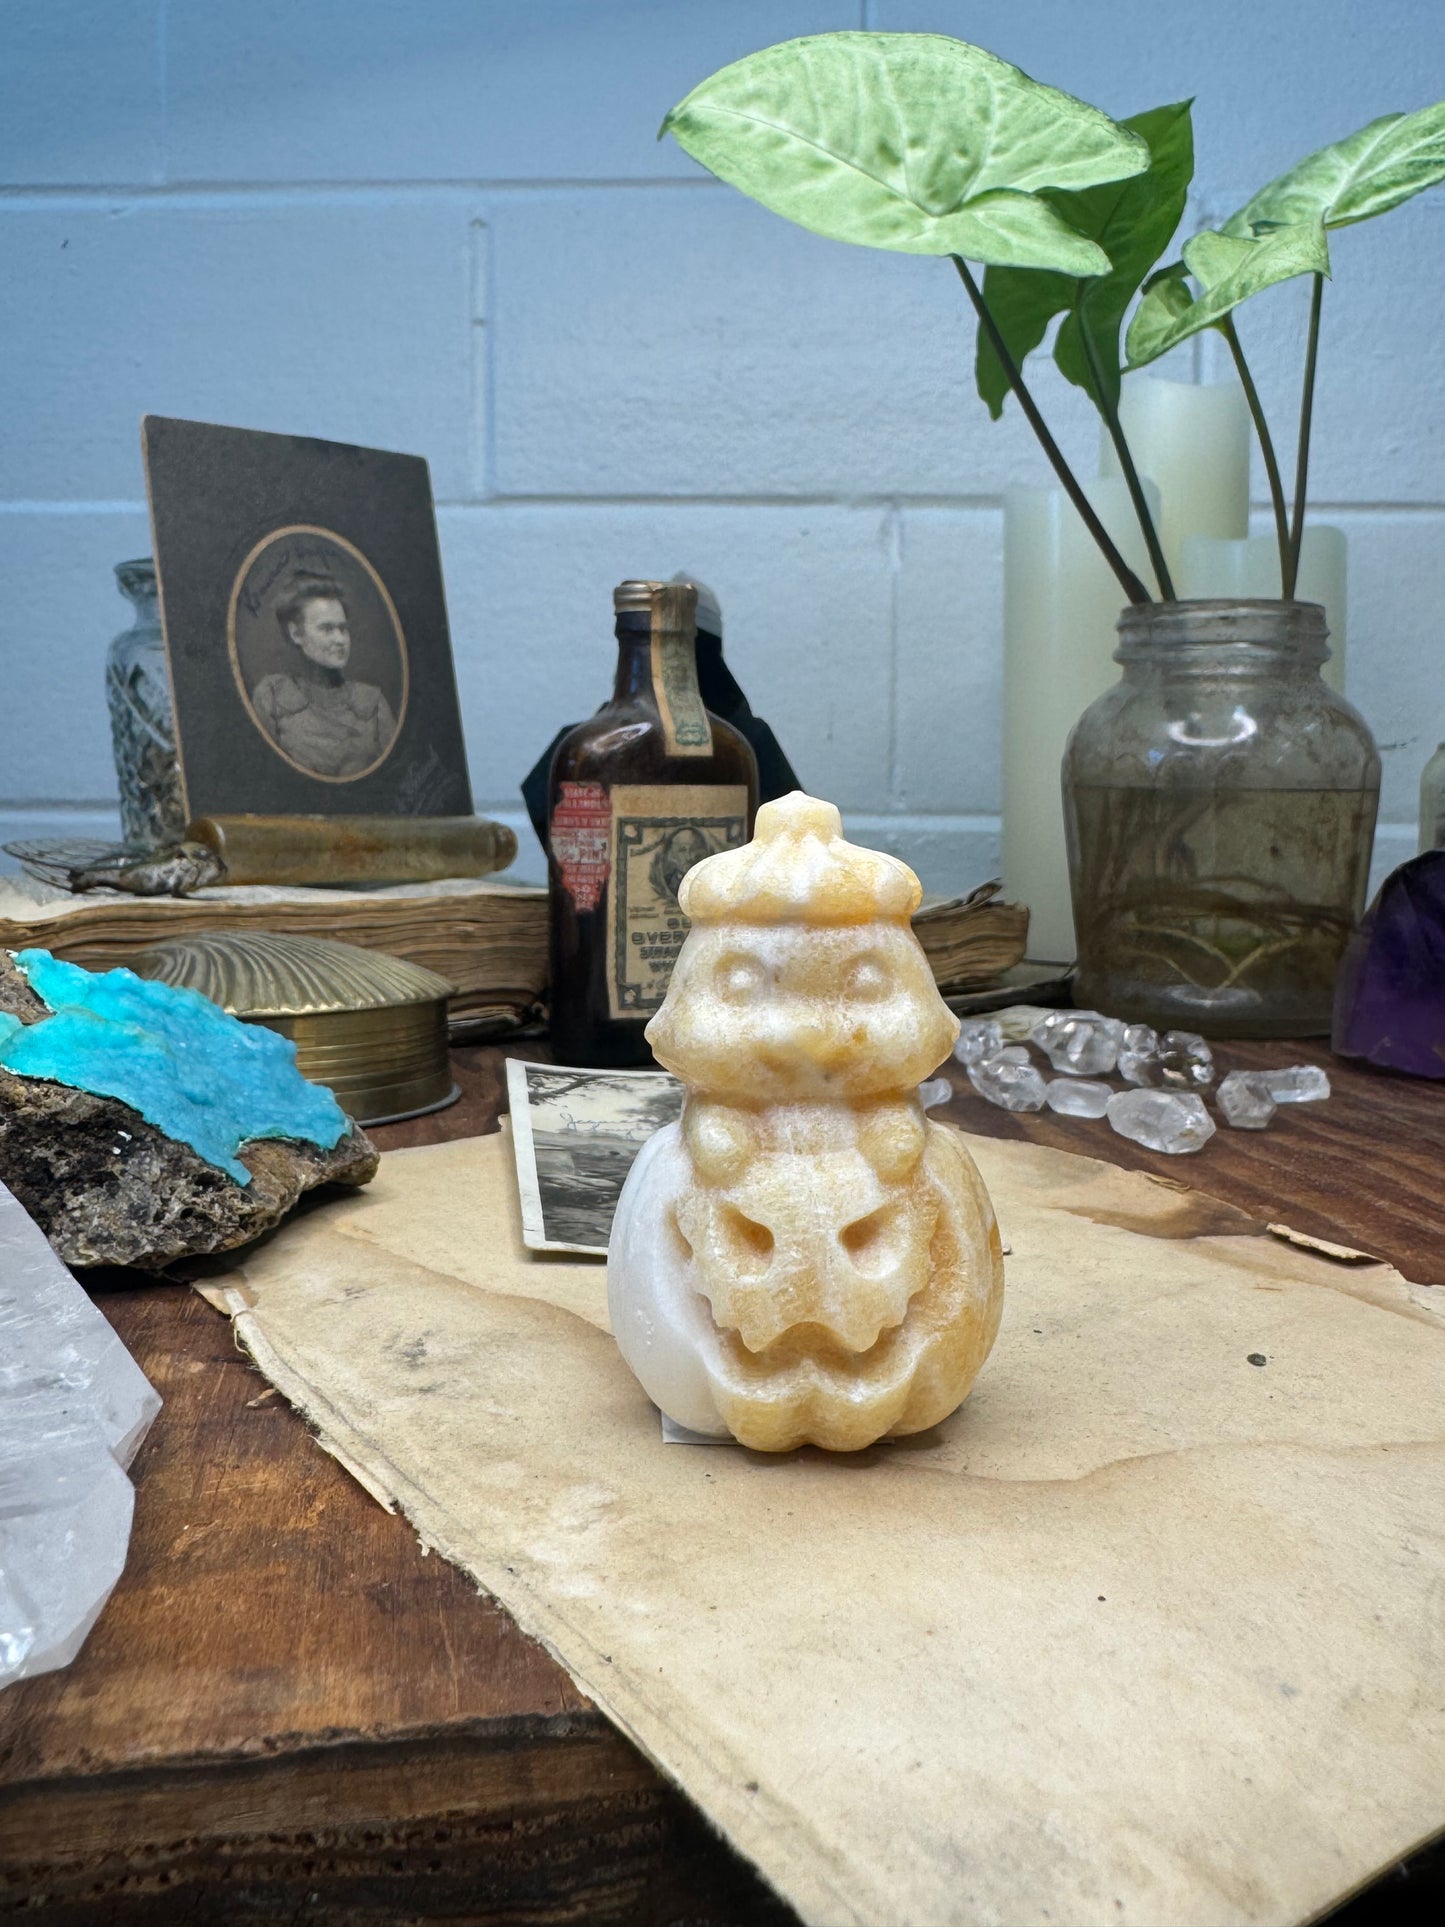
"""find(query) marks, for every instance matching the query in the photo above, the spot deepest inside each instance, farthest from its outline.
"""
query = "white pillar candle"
(1251, 568)
(1061, 604)
(1192, 440)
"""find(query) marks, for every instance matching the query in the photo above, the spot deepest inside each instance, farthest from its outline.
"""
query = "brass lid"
(262, 974)
(634, 597)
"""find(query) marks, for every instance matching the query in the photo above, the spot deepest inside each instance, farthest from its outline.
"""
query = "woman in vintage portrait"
(317, 715)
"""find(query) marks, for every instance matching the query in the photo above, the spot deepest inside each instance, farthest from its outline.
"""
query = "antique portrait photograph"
(574, 1135)
(317, 649)
(305, 625)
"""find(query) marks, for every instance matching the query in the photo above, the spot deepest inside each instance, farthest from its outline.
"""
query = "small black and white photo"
(317, 649)
(575, 1134)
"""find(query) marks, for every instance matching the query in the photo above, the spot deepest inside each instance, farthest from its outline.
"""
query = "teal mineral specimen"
(198, 1075)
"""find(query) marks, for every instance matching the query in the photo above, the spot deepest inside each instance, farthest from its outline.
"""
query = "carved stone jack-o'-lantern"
(805, 1258)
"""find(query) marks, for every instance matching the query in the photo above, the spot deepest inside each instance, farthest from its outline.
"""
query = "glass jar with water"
(1219, 804)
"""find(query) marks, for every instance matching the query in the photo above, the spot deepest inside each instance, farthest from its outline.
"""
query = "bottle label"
(685, 726)
(659, 830)
(581, 839)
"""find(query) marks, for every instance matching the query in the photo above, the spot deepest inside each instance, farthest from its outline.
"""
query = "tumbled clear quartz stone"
(1171, 1121)
(1077, 1097)
(1245, 1100)
(935, 1091)
(1185, 1061)
(1081, 1043)
(1299, 1084)
(978, 1037)
(1018, 1020)
(1004, 1081)
(1139, 1054)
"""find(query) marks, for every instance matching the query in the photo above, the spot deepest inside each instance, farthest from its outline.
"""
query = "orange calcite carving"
(805, 1258)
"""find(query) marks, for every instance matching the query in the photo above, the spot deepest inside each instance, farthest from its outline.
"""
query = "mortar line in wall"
(958, 823)
(85, 195)
(479, 358)
(895, 500)
(1316, 509)
(59, 806)
(491, 499)
(500, 499)
(893, 553)
(872, 503)
(968, 504)
(163, 83)
(57, 507)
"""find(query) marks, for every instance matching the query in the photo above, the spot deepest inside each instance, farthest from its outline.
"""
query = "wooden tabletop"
(288, 1712)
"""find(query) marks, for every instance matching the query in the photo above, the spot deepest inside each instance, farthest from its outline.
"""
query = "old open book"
(488, 937)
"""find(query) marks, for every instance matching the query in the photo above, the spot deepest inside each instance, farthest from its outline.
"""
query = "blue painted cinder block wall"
(447, 227)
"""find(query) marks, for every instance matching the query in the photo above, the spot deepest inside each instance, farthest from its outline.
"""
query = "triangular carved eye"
(875, 1243)
(751, 1244)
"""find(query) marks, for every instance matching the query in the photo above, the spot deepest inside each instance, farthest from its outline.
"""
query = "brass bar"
(355, 849)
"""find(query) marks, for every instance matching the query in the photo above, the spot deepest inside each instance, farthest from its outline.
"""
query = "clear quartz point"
(978, 1037)
(1172, 1121)
(1245, 1100)
(1185, 1061)
(1013, 1086)
(1077, 1097)
(74, 1406)
(1299, 1084)
(1139, 1054)
(933, 1092)
(1081, 1043)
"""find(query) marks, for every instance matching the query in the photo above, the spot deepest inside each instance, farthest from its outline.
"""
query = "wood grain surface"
(288, 1712)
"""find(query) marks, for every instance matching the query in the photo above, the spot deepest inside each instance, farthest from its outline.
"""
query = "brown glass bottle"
(639, 793)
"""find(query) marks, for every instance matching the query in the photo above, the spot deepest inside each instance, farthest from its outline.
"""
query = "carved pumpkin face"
(773, 1013)
(847, 1327)
(831, 1234)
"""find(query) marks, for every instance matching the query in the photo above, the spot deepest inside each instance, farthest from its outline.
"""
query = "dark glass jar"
(1219, 804)
(638, 793)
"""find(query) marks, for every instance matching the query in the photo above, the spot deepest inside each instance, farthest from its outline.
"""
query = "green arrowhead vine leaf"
(912, 142)
(1133, 221)
(1229, 269)
(1280, 231)
(1367, 173)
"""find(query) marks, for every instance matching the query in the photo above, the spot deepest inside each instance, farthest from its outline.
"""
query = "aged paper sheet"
(1148, 1632)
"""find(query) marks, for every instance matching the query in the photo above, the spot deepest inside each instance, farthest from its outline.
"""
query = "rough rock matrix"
(107, 1188)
